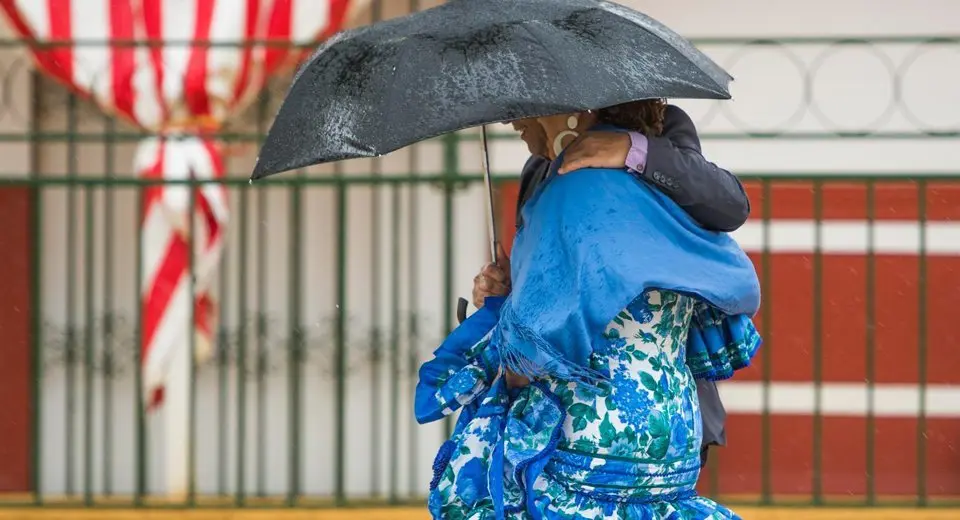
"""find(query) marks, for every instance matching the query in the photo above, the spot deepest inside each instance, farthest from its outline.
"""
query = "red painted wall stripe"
(892, 200)
(843, 456)
(15, 317)
(843, 314)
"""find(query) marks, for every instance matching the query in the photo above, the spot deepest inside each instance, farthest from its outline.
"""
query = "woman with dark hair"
(644, 116)
(578, 390)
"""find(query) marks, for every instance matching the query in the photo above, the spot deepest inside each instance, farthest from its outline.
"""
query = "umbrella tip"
(259, 172)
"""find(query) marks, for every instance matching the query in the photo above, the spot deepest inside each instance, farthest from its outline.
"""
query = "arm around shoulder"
(711, 195)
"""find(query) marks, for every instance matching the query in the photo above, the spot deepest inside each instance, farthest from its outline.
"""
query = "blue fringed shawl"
(592, 241)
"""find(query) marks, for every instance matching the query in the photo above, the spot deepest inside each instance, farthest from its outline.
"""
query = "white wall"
(852, 88)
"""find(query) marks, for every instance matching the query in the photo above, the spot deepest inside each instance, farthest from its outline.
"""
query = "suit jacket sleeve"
(714, 197)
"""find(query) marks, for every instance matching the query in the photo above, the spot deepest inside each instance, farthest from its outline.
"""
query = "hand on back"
(596, 150)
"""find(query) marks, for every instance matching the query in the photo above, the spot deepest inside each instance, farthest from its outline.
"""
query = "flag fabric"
(204, 60)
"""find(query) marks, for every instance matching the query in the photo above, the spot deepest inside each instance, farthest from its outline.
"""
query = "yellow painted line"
(223, 514)
(748, 513)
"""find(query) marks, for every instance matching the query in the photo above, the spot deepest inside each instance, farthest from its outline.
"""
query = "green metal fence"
(278, 349)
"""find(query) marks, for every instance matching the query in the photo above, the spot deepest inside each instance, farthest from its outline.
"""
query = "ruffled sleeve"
(462, 367)
(719, 344)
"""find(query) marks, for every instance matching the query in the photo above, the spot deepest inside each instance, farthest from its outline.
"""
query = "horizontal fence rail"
(339, 280)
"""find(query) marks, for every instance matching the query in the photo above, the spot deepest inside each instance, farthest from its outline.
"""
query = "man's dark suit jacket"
(711, 195)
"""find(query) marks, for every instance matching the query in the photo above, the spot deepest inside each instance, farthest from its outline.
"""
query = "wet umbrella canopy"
(467, 63)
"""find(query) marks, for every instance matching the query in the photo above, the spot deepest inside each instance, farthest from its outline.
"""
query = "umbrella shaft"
(488, 181)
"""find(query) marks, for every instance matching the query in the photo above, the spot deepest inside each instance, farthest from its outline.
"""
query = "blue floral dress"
(553, 449)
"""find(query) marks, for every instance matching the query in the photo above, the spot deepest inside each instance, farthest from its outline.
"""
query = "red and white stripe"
(167, 255)
(834, 321)
(851, 237)
(182, 92)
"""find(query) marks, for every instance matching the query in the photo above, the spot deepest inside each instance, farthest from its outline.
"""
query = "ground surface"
(420, 514)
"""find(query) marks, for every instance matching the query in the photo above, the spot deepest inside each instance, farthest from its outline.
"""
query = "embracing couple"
(586, 379)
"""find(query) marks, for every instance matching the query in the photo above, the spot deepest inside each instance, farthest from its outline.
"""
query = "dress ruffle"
(718, 345)
(566, 485)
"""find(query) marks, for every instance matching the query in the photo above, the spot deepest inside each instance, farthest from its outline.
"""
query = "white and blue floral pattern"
(555, 450)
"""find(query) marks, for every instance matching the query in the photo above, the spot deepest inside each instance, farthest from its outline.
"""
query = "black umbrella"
(467, 63)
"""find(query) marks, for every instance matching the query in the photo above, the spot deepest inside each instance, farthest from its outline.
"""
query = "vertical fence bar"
(192, 345)
(394, 452)
(766, 352)
(295, 352)
(71, 295)
(88, 281)
(870, 354)
(109, 150)
(36, 296)
(413, 302)
(451, 155)
(922, 497)
(222, 353)
(139, 411)
(242, 268)
(261, 295)
(341, 343)
(818, 343)
(376, 346)
(262, 353)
